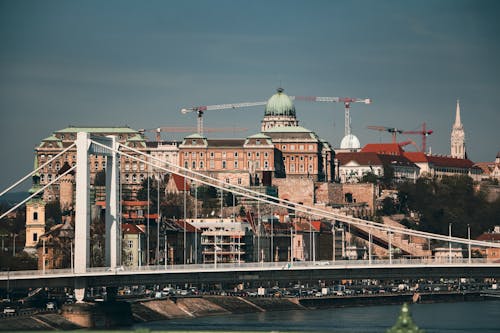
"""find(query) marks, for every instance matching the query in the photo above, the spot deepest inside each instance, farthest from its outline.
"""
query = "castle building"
(458, 136)
(283, 149)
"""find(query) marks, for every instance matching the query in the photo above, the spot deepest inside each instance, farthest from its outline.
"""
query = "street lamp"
(333, 243)
(14, 244)
(449, 243)
(468, 237)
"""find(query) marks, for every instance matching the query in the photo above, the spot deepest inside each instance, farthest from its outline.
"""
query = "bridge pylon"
(84, 147)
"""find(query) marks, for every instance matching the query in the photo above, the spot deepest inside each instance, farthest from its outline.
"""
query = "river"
(470, 317)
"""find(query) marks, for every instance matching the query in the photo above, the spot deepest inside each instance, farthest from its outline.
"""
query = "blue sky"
(136, 63)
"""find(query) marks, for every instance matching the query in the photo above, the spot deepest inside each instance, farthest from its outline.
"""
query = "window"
(257, 154)
(134, 178)
(236, 164)
(249, 155)
(141, 177)
(310, 168)
(301, 168)
(235, 154)
(301, 147)
(223, 154)
(42, 157)
(130, 244)
(257, 164)
(301, 158)
(266, 155)
(96, 165)
(257, 142)
(310, 158)
(283, 147)
(130, 257)
(193, 165)
(266, 164)
(42, 177)
(212, 164)
(239, 181)
(292, 158)
(211, 154)
(141, 167)
(227, 180)
(223, 164)
(49, 177)
(186, 164)
(292, 167)
(126, 177)
(35, 237)
(193, 154)
(201, 165)
(292, 147)
(185, 154)
(311, 147)
(201, 154)
(35, 216)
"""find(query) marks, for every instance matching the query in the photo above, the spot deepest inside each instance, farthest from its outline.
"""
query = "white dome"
(350, 142)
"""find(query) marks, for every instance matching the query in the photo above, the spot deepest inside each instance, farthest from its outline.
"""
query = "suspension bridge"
(80, 275)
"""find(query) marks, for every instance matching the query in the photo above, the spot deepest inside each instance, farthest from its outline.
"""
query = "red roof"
(489, 237)
(439, 160)
(362, 158)
(383, 148)
(129, 228)
(447, 161)
(415, 156)
(134, 203)
(369, 158)
(179, 182)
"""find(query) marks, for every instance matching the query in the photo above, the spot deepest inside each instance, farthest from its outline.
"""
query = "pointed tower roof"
(458, 122)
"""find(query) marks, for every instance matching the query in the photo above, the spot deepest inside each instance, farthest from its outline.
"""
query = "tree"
(369, 177)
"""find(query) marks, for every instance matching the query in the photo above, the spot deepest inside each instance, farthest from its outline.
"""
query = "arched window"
(35, 216)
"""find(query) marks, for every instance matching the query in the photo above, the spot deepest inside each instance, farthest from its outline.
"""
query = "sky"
(136, 63)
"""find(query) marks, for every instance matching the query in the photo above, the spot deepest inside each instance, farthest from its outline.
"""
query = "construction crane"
(346, 100)
(160, 130)
(347, 106)
(424, 132)
(394, 131)
(201, 109)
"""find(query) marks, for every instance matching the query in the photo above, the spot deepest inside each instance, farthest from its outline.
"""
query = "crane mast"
(347, 106)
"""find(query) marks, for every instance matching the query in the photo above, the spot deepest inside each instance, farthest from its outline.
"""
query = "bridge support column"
(112, 207)
(80, 284)
(82, 218)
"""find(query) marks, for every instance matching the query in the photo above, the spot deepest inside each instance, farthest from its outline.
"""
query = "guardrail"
(337, 264)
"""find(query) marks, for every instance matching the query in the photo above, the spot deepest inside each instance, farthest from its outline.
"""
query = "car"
(8, 310)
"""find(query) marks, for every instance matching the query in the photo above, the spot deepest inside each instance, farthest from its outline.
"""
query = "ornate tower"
(280, 112)
(458, 136)
(35, 215)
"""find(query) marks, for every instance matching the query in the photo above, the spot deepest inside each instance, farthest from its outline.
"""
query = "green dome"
(280, 105)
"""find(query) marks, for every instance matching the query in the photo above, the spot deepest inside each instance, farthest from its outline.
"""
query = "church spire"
(458, 136)
(458, 122)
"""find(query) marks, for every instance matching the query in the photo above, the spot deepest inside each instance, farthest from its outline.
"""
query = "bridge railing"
(324, 264)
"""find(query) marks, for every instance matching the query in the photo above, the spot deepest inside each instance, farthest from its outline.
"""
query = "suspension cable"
(286, 204)
(35, 171)
(40, 190)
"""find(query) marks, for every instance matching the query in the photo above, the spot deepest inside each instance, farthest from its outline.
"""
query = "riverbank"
(143, 311)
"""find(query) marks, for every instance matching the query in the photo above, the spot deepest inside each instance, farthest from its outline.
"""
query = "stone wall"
(295, 190)
(360, 193)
